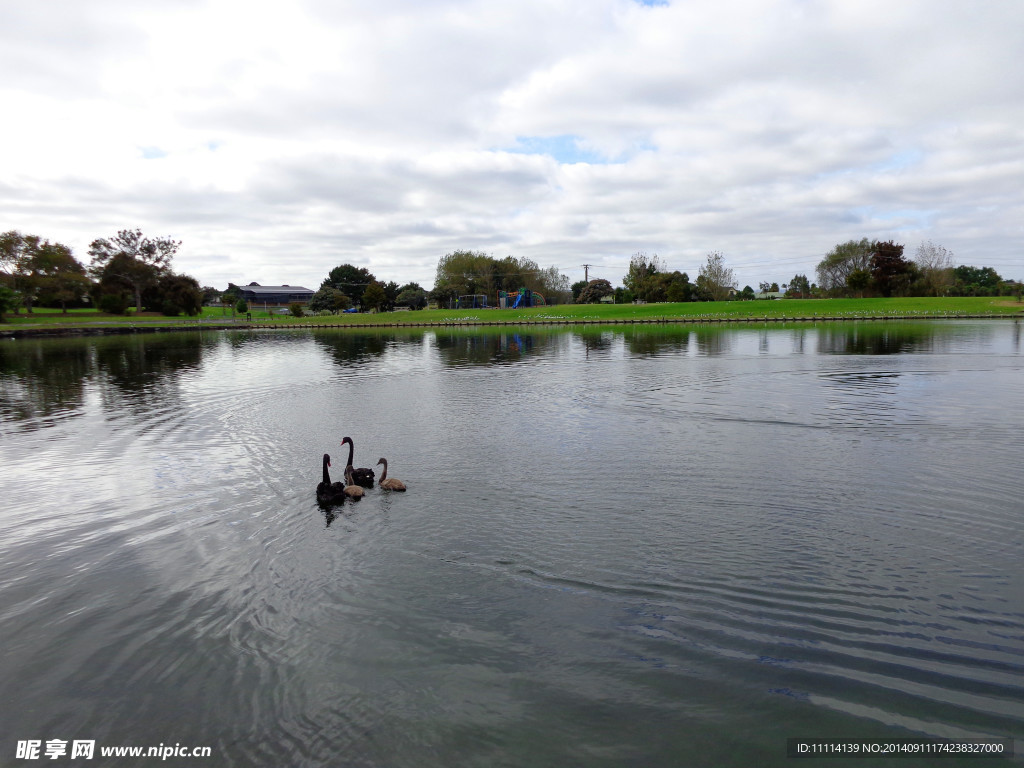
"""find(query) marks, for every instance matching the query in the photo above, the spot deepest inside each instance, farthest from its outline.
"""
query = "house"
(769, 295)
(274, 295)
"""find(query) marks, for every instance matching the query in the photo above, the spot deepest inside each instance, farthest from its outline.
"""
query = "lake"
(656, 546)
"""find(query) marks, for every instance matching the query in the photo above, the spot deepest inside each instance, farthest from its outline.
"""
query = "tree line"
(876, 268)
(129, 269)
(864, 268)
(649, 280)
(459, 273)
(349, 286)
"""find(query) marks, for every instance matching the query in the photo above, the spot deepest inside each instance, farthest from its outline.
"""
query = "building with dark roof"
(274, 295)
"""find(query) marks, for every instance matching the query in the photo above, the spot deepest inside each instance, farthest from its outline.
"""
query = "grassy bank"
(785, 309)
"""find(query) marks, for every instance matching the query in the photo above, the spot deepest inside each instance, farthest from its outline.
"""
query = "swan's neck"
(384, 472)
(327, 475)
(351, 452)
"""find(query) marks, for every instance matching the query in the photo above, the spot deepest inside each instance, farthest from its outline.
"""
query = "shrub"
(242, 306)
(296, 309)
(113, 303)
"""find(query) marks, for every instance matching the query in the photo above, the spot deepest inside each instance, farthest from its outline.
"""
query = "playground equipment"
(524, 298)
(471, 301)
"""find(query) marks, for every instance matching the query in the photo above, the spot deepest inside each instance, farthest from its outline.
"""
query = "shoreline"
(156, 327)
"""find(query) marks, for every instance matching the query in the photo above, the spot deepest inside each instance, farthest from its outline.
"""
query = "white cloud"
(279, 140)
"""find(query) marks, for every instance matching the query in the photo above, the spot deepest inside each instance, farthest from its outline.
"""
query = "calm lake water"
(673, 546)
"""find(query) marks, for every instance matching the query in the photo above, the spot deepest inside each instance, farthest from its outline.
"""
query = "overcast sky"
(278, 140)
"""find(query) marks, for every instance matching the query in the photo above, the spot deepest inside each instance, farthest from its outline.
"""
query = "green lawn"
(789, 309)
(709, 311)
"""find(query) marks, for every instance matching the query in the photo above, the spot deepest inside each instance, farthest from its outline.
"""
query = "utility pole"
(586, 272)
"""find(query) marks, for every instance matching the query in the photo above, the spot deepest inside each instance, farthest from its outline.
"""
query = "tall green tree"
(846, 258)
(350, 280)
(391, 291)
(374, 297)
(799, 287)
(412, 295)
(330, 300)
(55, 275)
(131, 261)
(464, 272)
(596, 290)
(641, 269)
(715, 279)
(39, 269)
(670, 286)
(176, 294)
(891, 274)
(14, 249)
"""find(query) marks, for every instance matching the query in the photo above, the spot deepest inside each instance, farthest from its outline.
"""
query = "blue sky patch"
(565, 149)
(152, 153)
(900, 160)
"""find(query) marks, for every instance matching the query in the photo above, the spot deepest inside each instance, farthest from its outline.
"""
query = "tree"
(391, 291)
(935, 268)
(470, 272)
(747, 294)
(577, 289)
(596, 290)
(464, 272)
(231, 295)
(677, 286)
(57, 276)
(835, 269)
(350, 280)
(858, 281)
(554, 285)
(890, 272)
(412, 295)
(14, 249)
(175, 294)
(9, 299)
(715, 279)
(39, 269)
(976, 281)
(374, 297)
(799, 287)
(642, 268)
(329, 299)
(132, 260)
(14, 246)
(210, 295)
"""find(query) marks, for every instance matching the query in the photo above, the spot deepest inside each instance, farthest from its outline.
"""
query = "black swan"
(328, 492)
(389, 483)
(353, 491)
(362, 475)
